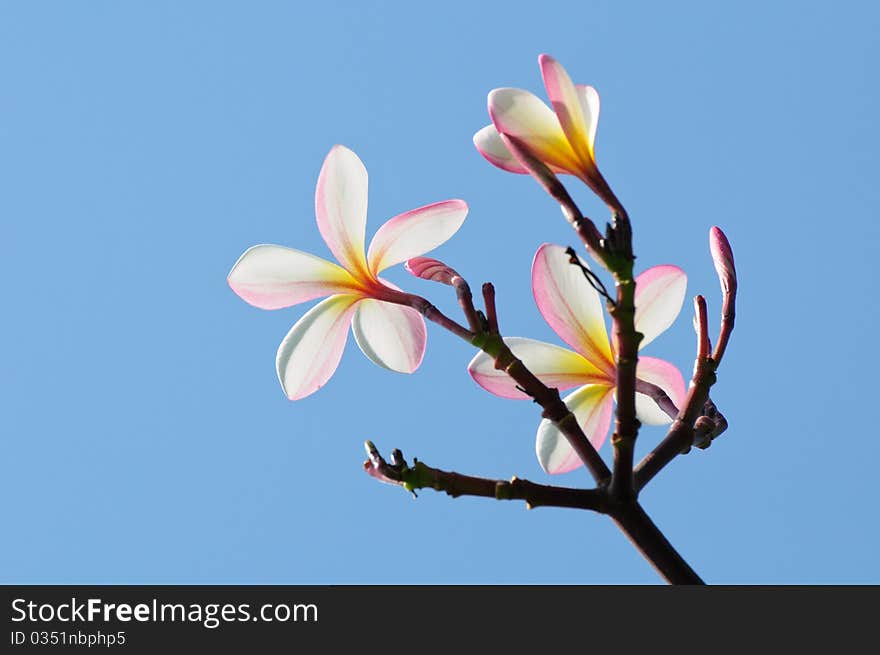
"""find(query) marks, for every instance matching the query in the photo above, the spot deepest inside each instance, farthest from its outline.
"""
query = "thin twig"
(681, 434)
(659, 396)
(431, 313)
(701, 326)
(685, 431)
(491, 311)
(466, 301)
(592, 278)
(728, 315)
(548, 398)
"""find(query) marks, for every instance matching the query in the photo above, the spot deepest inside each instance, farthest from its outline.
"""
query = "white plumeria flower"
(573, 309)
(390, 334)
(562, 137)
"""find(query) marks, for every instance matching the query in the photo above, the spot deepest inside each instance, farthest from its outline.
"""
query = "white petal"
(589, 100)
(309, 354)
(659, 296)
(523, 115)
(571, 305)
(392, 336)
(490, 145)
(415, 232)
(341, 207)
(568, 103)
(553, 365)
(592, 406)
(667, 377)
(271, 277)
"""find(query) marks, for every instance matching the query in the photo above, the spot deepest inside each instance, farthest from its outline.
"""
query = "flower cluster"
(392, 333)
(573, 309)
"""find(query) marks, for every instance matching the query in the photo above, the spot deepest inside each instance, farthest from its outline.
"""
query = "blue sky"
(145, 145)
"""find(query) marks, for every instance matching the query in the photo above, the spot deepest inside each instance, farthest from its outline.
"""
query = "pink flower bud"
(722, 257)
(431, 269)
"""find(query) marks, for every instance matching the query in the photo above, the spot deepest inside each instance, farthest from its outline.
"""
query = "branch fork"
(696, 424)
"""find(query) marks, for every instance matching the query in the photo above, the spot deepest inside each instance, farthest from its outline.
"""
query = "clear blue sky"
(145, 145)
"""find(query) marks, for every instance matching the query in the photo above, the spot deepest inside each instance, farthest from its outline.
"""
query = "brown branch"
(618, 242)
(701, 326)
(626, 425)
(550, 401)
(466, 301)
(616, 494)
(491, 311)
(689, 429)
(653, 545)
(431, 313)
(493, 344)
(629, 516)
(728, 315)
(422, 476)
(681, 434)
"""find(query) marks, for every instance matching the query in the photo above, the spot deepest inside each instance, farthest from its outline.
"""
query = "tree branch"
(629, 516)
(653, 545)
(490, 341)
(550, 401)
(626, 341)
(422, 476)
(431, 313)
(681, 434)
(690, 428)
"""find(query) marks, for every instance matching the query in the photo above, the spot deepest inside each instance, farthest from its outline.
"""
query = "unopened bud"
(431, 269)
(722, 257)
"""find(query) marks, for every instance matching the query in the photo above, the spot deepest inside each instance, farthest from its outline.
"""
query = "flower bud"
(431, 269)
(722, 257)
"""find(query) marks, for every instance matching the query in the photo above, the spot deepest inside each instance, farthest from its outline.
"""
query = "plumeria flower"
(563, 137)
(391, 334)
(573, 309)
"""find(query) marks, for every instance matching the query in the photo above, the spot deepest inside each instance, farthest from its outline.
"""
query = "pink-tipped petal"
(271, 277)
(392, 336)
(341, 207)
(309, 354)
(667, 377)
(553, 365)
(567, 104)
(490, 145)
(659, 296)
(592, 406)
(429, 269)
(523, 115)
(589, 99)
(415, 232)
(570, 305)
